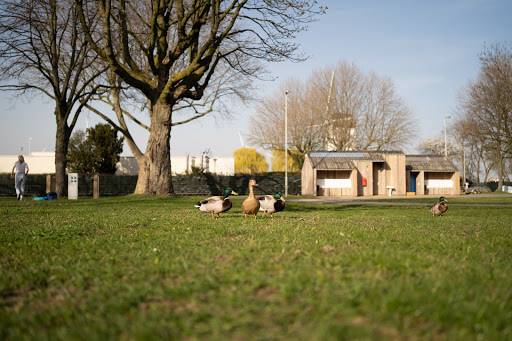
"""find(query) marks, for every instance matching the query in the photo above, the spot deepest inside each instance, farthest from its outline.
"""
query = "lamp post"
(445, 148)
(286, 144)
(29, 150)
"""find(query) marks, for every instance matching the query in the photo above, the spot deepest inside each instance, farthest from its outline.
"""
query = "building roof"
(344, 160)
(429, 163)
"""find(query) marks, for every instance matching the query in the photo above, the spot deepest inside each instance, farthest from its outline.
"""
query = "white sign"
(334, 183)
(439, 183)
(73, 186)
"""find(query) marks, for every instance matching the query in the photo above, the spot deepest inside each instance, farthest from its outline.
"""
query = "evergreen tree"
(96, 151)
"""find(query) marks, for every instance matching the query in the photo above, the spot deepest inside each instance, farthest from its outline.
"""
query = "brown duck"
(251, 205)
(440, 207)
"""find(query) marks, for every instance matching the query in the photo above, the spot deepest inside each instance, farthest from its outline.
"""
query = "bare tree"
(42, 49)
(305, 132)
(338, 108)
(435, 146)
(385, 122)
(171, 49)
(340, 90)
(486, 103)
(477, 160)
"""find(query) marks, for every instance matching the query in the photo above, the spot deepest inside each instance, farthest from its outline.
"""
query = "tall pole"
(330, 133)
(445, 147)
(464, 165)
(29, 151)
(286, 144)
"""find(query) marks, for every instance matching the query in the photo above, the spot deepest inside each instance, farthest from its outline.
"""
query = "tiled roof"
(344, 160)
(429, 163)
(332, 163)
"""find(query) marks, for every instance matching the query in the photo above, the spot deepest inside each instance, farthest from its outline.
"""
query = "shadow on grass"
(294, 207)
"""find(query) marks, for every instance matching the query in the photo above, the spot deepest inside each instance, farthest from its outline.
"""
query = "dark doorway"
(412, 182)
(378, 178)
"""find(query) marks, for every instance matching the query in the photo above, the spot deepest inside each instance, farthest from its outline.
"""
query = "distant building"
(38, 162)
(184, 164)
(368, 173)
(44, 163)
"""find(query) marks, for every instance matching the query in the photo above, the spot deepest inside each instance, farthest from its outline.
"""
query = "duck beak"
(234, 193)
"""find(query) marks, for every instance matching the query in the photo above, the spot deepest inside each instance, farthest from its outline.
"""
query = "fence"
(488, 187)
(112, 185)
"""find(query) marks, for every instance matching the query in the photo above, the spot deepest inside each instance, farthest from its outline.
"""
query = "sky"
(428, 48)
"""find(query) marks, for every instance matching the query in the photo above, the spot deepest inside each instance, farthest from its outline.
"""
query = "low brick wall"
(112, 185)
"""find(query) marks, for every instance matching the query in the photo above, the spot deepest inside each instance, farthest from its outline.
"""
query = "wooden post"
(50, 183)
(96, 187)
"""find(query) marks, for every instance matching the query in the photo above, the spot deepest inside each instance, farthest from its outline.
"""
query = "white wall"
(506, 188)
(433, 183)
(215, 165)
(38, 163)
(44, 162)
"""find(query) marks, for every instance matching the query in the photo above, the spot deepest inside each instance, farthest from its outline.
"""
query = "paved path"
(428, 200)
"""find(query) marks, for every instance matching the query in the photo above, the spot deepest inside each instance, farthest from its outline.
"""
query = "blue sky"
(428, 48)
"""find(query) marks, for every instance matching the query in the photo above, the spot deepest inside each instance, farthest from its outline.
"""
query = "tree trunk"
(500, 173)
(61, 150)
(155, 165)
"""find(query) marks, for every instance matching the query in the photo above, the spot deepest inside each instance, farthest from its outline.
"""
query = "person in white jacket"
(21, 168)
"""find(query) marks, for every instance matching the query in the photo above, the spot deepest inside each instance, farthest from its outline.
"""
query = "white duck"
(217, 204)
(271, 204)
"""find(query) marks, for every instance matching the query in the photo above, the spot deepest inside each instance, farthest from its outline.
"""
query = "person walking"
(21, 168)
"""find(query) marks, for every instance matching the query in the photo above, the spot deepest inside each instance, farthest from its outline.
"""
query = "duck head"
(228, 191)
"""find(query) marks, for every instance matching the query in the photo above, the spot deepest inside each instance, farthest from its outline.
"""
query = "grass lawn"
(143, 268)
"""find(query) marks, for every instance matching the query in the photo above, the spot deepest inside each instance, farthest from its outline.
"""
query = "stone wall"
(112, 185)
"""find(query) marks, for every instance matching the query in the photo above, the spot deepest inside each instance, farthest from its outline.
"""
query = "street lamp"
(286, 144)
(445, 148)
(29, 139)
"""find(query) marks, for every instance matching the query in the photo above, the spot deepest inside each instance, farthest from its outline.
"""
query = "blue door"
(412, 182)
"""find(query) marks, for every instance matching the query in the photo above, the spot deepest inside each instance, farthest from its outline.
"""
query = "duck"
(271, 203)
(251, 205)
(439, 207)
(217, 204)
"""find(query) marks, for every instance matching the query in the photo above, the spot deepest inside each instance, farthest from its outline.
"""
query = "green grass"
(143, 268)
(496, 199)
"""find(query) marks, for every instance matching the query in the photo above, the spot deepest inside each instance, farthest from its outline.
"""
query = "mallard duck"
(271, 204)
(251, 205)
(439, 207)
(217, 204)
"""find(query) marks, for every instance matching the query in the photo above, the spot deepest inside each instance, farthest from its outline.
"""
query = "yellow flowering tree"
(249, 161)
(278, 162)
